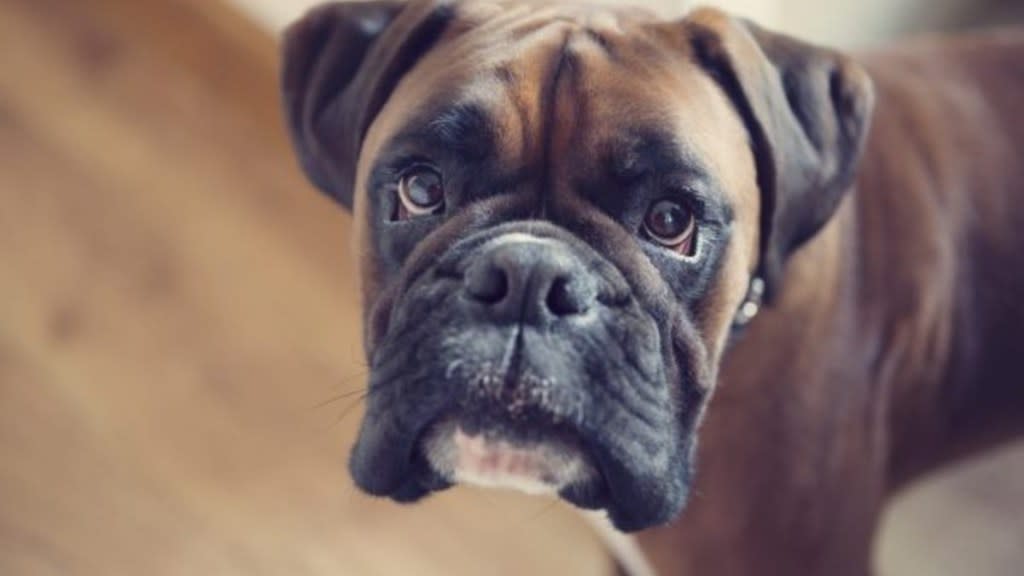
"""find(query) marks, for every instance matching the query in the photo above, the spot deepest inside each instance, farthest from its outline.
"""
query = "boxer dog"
(568, 217)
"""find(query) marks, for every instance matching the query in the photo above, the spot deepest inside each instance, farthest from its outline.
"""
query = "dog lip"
(553, 460)
(393, 462)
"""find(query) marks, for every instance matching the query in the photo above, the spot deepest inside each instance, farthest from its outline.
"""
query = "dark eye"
(671, 224)
(420, 192)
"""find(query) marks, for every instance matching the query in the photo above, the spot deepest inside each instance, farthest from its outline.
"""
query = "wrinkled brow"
(464, 129)
(649, 152)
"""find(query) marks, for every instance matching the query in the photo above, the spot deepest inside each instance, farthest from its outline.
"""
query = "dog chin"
(490, 459)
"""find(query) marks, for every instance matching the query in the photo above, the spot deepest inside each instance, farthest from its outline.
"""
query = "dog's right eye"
(420, 192)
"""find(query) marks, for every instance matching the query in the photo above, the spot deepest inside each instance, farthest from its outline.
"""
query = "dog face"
(560, 210)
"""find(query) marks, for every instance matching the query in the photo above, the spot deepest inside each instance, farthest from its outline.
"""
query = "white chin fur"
(542, 468)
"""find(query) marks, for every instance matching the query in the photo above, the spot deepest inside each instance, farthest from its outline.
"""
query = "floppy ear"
(807, 110)
(340, 63)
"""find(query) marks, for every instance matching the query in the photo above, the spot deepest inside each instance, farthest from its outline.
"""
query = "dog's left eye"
(672, 225)
(420, 192)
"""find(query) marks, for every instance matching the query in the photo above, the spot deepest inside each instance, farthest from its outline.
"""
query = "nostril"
(566, 298)
(487, 284)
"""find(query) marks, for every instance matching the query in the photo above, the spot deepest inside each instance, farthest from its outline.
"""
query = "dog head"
(560, 210)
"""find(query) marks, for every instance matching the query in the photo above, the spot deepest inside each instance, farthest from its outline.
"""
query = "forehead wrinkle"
(517, 90)
(455, 124)
(648, 151)
(464, 124)
(561, 103)
(457, 130)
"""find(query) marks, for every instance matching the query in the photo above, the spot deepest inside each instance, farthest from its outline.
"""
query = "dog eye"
(671, 224)
(420, 192)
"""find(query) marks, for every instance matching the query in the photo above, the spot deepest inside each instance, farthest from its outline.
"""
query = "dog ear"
(807, 110)
(340, 64)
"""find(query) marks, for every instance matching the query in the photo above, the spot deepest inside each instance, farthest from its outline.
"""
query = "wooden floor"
(179, 333)
(176, 305)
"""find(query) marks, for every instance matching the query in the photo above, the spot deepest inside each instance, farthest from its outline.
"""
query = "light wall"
(835, 22)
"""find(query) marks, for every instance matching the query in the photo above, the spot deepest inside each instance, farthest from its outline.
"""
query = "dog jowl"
(560, 211)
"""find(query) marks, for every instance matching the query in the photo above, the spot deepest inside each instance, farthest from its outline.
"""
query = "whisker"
(338, 397)
(348, 409)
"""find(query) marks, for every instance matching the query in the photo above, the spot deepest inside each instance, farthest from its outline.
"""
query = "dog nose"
(529, 279)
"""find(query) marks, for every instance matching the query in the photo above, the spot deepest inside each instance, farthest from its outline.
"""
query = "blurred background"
(180, 364)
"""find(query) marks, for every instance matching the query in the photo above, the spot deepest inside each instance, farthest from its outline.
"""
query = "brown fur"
(899, 342)
(898, 339)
